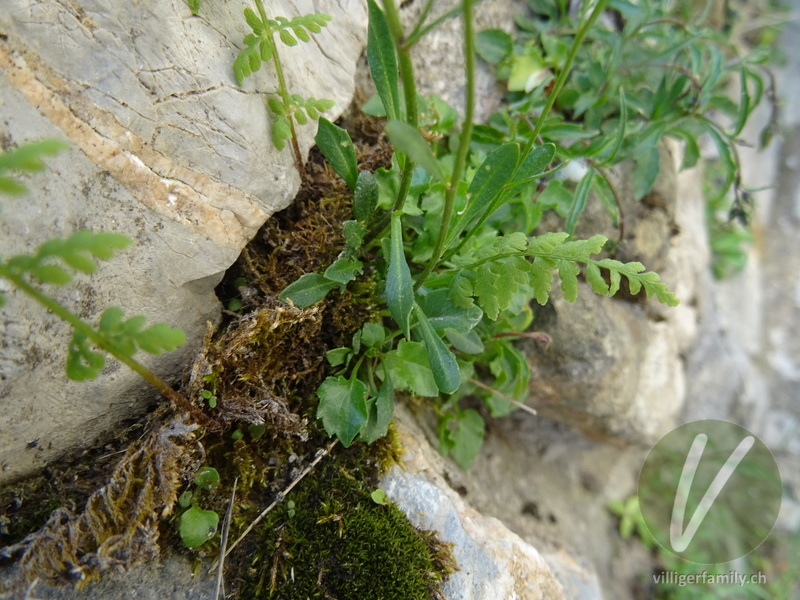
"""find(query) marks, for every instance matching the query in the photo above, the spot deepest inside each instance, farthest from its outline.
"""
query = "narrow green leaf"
(579, 201)
(301, 33)
(619, 136)
(383, 61)
(160, 337)
(252, 19)
(276, 106)
(51, 274)
(337, 147)
(342, 407)
(487, 185)
(11, 187)
(287, 38)
(399, 289)
(443, 363)
(265, 50)
(645, 172)
(102, 245)
(409, 140)
(307, 290)
(28, 157)
(365, 198)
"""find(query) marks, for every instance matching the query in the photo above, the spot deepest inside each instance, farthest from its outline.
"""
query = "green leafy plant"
(54, 263)
(445, 234)
(260, 47)
(197, 526)
(659, 70)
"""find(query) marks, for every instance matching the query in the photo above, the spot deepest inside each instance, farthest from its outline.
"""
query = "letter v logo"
(678, 537)
(710, 491)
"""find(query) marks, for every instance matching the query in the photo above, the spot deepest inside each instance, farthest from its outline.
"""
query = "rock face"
(493, 561)
(166, 148)
(614, 368)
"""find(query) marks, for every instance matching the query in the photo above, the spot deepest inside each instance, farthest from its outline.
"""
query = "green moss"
(333, 541)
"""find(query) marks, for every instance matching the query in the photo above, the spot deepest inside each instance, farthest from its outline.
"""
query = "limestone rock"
(166, 148)
(493, 561)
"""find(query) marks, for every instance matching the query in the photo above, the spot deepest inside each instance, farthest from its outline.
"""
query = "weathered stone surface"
(614, 368)
(493, 561)
(167, 149)
(439, 56)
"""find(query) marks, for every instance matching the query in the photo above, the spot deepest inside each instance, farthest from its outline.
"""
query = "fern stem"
(463, 145)
(562, 76)
(283, 90)
(100, 341)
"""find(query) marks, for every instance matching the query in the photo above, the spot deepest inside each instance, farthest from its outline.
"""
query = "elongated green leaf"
(29, 156)
(579, 201)
(645, 171)
(409, 140)
(620, 133)
(342, 407)
(443, 363)
(487, 185)
(337, 147)
(159, 338)
(399, 289)
(383, 61)
(51, 274)
(308, 290)
(365, 197)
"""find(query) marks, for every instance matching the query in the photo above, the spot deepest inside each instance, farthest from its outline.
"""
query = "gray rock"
(493, 561)
(167, 149)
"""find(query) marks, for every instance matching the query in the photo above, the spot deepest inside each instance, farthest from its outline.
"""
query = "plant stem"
(463, 145)
(100, 341)
(562, 76)
(412, 111)
(409, 91)
(283, 90)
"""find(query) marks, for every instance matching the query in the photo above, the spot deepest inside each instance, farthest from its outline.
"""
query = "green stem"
(100, 341)
(420, 32)
(562, 76)
(463, 145)
(409, 91)
(283, 90)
